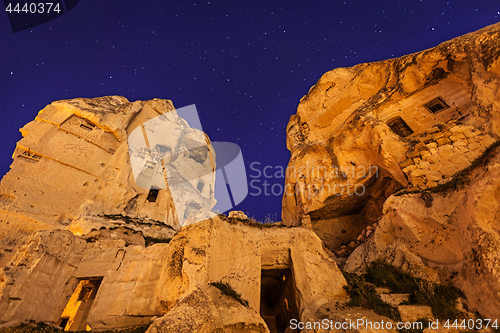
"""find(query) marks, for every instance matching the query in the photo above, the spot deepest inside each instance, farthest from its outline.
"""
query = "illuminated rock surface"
(429, 123)
(83, 247)
(394, 161)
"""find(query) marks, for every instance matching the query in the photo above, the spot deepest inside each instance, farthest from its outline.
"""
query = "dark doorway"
(277, 300)
(64, 322)
(74, 316)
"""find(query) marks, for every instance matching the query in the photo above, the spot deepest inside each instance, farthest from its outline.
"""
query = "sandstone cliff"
(83, 247)
(392, 162)
(397, 159)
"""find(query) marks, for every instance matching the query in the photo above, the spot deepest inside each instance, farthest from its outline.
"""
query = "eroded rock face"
(364, 132)
(239, 255)
(430, 123)
(448, 236)
(83, 247)
(73, 164)
(131, 284)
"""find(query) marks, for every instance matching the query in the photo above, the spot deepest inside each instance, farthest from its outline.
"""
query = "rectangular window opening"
(87, 125)
(400, 127)
(153, 195)
(436, 105)
(30, 156)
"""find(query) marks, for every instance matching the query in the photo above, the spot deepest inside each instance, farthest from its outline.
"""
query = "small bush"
(256, 224)
(364, 295)
(442, 299)
(226, 289)
(389, 276)
(252, 222)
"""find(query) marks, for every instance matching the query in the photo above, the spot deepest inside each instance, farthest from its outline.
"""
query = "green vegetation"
(257, 224)
(385, 275)
(41, 327)
(226, 289)
(153, 240)
(442, 299)
(363, 294)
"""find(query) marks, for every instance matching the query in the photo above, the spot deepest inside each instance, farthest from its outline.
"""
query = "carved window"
(87, 125)
(152, 195)
(400, 127)
(436, 105)
(30, 156)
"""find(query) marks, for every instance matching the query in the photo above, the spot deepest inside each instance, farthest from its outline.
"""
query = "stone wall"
(32, 281)
(442, 152)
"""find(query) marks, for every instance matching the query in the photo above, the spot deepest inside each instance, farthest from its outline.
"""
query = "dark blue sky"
(244, 64)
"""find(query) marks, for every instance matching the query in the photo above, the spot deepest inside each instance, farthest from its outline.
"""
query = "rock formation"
(392, 162)
(397, 159)
(82, 246)
(74, 158)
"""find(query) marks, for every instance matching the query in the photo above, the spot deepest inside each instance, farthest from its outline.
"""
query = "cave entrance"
(74, 316)
(277, 300)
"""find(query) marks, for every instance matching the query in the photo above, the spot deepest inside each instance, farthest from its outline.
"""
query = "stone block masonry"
(441, 152)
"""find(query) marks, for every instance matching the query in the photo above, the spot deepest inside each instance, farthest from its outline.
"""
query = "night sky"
(244, 64)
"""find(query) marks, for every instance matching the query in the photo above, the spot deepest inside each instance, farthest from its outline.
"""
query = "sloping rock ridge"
(398, 160)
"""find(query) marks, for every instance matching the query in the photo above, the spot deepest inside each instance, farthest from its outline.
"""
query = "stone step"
(394, 299)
